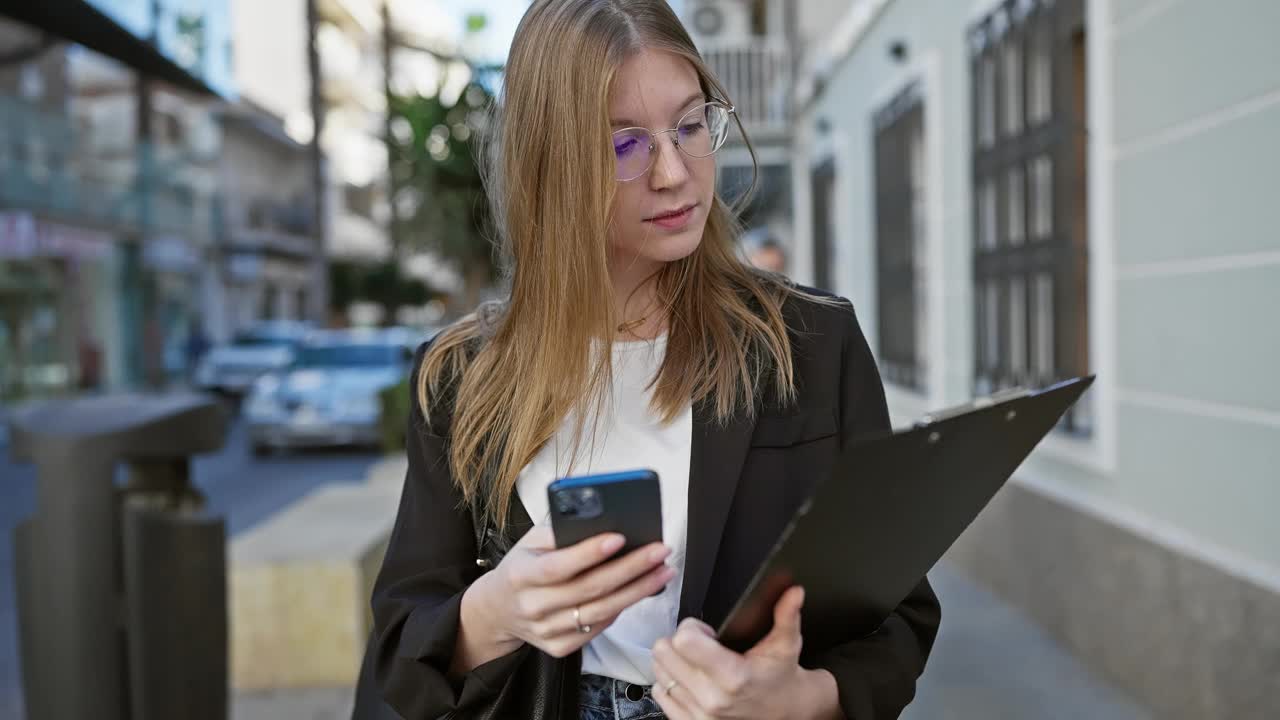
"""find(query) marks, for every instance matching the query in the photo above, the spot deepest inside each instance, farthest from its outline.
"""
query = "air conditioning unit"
(707, 19)
(726, 19)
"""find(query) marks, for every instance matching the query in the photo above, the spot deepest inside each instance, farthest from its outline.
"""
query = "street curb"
(303, 704)
(299, 584)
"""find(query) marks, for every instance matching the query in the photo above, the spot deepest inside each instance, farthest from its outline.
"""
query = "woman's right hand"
(530, 597)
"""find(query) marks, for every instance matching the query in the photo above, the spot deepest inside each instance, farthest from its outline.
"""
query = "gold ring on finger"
(577, 620)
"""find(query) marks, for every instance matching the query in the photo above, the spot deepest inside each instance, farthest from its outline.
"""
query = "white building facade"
(1017, 191)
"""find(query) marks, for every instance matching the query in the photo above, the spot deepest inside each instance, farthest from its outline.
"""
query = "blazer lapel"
(715, 462)
(518, 520)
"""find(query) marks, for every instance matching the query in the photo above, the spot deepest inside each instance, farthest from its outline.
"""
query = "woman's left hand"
(700, 679)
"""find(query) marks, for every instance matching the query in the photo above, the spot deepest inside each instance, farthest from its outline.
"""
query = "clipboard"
(893, 505)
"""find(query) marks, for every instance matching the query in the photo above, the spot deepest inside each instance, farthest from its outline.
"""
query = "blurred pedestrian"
(633, 336)
(768, 255)
(153, 351)
(89, 353)
(197, 345)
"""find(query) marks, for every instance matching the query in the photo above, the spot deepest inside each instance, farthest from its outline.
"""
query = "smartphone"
(627, 502)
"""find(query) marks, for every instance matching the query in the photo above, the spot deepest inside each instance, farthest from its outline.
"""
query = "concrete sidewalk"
(992, 662)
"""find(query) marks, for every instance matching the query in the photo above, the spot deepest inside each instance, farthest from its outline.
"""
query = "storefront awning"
(82, 23)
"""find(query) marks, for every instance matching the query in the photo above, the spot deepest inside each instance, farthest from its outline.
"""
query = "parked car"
(263, 348)
(328, 396)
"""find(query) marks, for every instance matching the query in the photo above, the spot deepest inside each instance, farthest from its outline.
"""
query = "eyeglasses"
(699, 134)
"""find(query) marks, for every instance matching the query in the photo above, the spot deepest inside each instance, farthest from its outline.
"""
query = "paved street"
(245, 489)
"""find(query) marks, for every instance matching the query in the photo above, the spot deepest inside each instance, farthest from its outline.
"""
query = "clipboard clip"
(976, 404)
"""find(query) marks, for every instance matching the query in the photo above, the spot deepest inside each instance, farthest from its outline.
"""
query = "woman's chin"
(672, 247)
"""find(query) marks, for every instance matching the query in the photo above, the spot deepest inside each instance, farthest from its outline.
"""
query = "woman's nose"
(669, 167)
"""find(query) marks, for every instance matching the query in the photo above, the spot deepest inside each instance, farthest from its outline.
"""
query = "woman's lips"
(675, 220)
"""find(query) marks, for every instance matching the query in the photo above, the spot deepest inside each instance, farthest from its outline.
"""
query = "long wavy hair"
(512, 372)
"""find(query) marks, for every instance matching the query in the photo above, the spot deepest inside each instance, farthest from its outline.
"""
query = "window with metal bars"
(1030, 209)
(900, 239)
(823, 181)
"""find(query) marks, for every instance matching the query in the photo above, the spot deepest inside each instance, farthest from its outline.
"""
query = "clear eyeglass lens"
(632, 149)
(702, 131)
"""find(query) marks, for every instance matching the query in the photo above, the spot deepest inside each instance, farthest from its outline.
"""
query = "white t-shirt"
(628, 436)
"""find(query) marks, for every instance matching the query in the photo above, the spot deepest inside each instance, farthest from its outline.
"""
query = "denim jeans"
(603, 698)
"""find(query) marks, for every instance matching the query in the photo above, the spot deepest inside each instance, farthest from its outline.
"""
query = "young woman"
(633, 336)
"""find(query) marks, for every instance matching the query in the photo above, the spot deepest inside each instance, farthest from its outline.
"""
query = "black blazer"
(746, 479)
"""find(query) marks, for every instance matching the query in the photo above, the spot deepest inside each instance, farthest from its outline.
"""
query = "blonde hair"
(513, 372)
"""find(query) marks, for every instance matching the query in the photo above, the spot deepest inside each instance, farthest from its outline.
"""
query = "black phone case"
(630, 503)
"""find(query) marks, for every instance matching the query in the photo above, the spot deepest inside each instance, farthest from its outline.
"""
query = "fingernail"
(659, 553)
(612, 543)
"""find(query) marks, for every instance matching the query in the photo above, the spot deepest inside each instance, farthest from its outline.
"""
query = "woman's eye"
(625, 147)
(691, 128)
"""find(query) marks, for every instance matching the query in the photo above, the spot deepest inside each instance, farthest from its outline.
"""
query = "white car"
(329, 395)
(263, 348)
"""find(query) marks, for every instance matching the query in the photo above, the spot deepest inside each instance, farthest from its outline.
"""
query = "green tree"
(440, 201)
(384, 283)
(476, 22)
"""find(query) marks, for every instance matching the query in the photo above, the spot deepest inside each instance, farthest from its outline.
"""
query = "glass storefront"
(105, 220)
(32, 353)
(55, 305)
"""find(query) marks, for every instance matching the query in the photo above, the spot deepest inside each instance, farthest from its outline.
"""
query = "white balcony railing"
(757, 76)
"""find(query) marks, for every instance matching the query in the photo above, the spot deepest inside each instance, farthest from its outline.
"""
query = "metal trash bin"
(122, 601)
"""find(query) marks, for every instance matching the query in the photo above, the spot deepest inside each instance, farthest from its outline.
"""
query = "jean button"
(635, 693)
